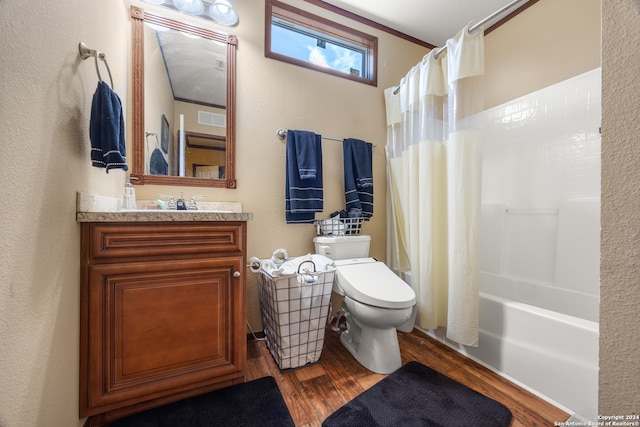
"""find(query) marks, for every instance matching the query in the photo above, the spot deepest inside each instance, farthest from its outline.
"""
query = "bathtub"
(539, 269)
(540, 294)
(539, 300)
(553, 354)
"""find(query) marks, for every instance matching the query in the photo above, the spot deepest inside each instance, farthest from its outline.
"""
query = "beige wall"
(547, 43)
(45, 103)
(157, 86)
(158, 92)
(44, 114)
(620, 246)
(272, 95)
(191, 124)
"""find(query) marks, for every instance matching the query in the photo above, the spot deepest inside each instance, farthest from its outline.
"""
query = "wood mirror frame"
(138, 18)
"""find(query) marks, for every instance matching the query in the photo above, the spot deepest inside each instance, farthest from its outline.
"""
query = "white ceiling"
(432, 21)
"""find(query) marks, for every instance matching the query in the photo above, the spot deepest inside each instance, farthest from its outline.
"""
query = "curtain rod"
(474, 27)
(482, 22)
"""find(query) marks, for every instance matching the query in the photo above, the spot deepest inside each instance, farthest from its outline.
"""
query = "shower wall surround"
(541, 198)
(540, 242)
(544, 148)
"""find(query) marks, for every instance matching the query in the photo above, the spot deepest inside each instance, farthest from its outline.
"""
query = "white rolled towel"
(299, 264)
(279, 256)
(269, 266)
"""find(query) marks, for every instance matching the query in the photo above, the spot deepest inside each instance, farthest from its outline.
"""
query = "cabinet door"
(162, 328)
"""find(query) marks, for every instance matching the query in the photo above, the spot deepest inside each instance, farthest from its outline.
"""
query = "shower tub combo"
(540, 243)
(541, 333)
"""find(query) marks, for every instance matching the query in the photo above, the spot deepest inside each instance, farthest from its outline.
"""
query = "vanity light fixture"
(220, 11)
(190, 7)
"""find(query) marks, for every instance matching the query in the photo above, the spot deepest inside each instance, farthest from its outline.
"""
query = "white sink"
(174, 211)
(94, 203)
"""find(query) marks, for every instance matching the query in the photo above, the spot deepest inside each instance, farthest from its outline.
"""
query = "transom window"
(298, 37)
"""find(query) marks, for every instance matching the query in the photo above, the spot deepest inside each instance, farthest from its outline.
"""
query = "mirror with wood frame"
(183, 100)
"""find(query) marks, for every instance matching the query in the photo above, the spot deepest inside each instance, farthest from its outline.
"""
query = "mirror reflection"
(186, 107)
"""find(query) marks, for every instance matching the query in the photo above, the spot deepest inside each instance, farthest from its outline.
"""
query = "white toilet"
(376, 302)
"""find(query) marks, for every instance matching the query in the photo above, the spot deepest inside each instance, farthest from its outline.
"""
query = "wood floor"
(314, 392)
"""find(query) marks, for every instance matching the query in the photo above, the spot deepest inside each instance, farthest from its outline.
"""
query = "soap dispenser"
(129, 197)
(181, 205)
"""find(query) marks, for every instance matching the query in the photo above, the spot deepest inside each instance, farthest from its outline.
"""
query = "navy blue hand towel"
(106, 130)
(304, 191)
(157, 164)
(358, 176)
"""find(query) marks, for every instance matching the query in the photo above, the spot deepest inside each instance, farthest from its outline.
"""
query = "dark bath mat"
(254, 403)
(416, 395)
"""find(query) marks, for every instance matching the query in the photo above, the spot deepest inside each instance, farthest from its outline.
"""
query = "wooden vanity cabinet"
(162, 313)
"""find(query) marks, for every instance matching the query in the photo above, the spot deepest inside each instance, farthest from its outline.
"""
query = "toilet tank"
(343, 247)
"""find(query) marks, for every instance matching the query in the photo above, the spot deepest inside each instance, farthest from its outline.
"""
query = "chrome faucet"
(171, 204)
(192, 203)
(180, 204)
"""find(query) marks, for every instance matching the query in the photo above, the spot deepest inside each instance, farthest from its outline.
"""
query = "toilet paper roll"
(254, 264)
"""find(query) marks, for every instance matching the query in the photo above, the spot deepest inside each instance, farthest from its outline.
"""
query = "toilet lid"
(373, 283)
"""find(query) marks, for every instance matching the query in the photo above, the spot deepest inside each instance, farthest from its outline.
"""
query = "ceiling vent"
(212, 119)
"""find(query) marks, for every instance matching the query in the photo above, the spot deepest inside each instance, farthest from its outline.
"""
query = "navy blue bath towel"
(358, 176)
(304, 191)
(106, 130)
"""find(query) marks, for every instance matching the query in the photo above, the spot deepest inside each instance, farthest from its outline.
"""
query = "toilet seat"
(371, 282)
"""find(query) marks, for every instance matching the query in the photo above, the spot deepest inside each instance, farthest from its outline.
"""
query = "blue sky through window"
(305, 47)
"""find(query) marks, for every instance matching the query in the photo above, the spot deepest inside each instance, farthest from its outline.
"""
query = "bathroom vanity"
(163, 308)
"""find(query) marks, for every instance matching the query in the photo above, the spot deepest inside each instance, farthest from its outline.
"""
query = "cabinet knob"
(236, 274)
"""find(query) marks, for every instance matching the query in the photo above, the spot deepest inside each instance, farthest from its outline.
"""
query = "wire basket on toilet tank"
(339, 226)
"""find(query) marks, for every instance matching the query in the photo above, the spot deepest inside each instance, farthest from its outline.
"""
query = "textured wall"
(45, 102)
(620, 246)
(550, 41)
(45, 99)
(45, 95)
(273, 94)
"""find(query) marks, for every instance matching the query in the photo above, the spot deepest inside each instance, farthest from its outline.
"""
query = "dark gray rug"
(254, 403)
(416, 395)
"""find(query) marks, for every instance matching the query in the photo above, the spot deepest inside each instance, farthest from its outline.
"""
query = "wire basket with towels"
(341, 223)
(296, 306)
(339, 226)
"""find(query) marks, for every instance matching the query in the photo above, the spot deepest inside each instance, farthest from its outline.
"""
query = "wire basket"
(295, 311)
(339, 226)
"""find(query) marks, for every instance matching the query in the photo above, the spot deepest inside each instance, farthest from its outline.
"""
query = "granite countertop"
(94, 208)
(160, 216)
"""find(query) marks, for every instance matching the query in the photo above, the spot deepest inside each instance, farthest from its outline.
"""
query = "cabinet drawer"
(136, 240)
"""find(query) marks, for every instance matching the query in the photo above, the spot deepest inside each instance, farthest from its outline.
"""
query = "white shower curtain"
(434, 168)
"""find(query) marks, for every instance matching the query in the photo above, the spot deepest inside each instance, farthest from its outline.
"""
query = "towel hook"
(86, 53)
(147, 134)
